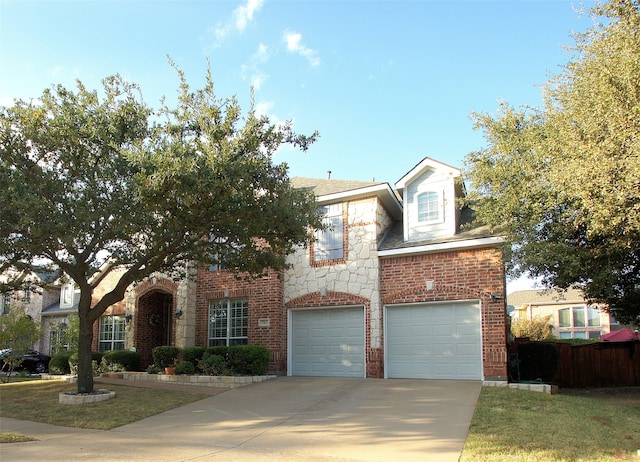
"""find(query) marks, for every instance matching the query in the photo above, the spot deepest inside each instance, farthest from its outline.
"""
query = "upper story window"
(329, 243)
(66, 296)
(218, 244)
(429, 207)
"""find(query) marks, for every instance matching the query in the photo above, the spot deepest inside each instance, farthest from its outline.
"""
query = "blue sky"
(386, 83)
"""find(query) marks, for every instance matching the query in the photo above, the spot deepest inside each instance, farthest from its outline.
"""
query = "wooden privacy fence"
(594, 365)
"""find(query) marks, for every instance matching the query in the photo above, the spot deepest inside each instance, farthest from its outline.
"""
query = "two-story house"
(569, 312)
(396, 286)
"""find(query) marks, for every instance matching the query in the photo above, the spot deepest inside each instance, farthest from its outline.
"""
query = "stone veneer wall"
(457, 275)
(352, 281)
(267, 319)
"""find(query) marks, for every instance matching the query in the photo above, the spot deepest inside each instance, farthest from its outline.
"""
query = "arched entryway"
(155, 323)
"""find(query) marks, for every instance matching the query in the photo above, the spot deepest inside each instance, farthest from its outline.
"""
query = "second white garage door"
(433, 341)
(327, 342)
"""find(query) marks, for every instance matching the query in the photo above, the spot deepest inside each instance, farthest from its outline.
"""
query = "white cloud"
(262, 54)
(263, 108)
(252, 71)
(240, 17)
(294, 45)
(244, 14)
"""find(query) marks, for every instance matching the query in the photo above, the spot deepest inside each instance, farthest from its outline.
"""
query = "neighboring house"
(571, 315)
(55, 306)
(59, 305)
(395, 287)
(28, 300)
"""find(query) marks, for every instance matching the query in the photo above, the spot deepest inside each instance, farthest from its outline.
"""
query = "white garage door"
(327, 342)
(434, 341)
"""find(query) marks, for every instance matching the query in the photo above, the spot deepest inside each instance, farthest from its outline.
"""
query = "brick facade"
(367, 275)
(456, 275)
(267, 316)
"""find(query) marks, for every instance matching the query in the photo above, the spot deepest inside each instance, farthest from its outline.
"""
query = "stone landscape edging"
(215, 381)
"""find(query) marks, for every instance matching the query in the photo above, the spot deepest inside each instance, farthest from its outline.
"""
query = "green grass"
(523, 426)
(15, 438)
(38, 401)
(508, 425)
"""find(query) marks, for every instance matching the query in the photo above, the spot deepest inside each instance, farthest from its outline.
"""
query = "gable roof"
(328, 191)
(323, 187)
(426, 164)
(545, 297)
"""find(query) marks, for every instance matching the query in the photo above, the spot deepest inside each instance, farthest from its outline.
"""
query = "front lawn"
(38, 401)
(508, 425)
(523, 426)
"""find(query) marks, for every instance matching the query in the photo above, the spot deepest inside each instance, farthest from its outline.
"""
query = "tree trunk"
(85, 368)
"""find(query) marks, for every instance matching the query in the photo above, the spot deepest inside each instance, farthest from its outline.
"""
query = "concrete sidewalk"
(288, 418)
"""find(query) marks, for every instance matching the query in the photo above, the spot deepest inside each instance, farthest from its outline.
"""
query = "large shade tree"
(563, 182)
(92, 182)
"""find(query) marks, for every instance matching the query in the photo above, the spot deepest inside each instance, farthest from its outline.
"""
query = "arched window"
(429, 207)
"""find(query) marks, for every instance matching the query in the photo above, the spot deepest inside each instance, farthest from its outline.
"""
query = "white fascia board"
(443, 247)
(383, 191)
(426, 163)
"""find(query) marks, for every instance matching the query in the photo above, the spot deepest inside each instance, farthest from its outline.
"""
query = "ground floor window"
(59, 340)
(228, 322)
(111, 333)
(579, 322)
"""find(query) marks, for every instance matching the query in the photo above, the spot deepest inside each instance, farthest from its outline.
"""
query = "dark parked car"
(32, 361)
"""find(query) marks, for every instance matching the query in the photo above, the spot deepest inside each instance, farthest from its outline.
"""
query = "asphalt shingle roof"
(323, 187)
(394, 239)
(545, 296)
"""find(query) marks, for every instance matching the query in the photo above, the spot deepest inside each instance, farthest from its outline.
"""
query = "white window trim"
(229, 327)
(120, 319)
(67, 294)
(440, 206)
(320, 253)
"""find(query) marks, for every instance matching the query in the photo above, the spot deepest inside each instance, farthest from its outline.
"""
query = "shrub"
(153, 369)
(96, 359)
(538, 328)
(185, 368)
(538, 361)
(213, 365)
(249, 359)
(120, 360)
(193, 354)
(97, 356)
(59, 364)
(165, 356)
(218, 351)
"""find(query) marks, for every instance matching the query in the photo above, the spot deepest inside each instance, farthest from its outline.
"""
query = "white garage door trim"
(327, 355)
(446, 342)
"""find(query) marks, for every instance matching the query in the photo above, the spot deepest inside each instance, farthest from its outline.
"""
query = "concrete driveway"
(288, 419)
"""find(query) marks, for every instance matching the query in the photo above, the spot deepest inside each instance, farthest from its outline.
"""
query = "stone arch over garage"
(154, 319)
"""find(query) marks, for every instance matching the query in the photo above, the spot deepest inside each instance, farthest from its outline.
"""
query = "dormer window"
(66, 296)
(429, 207)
